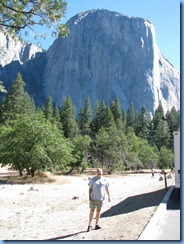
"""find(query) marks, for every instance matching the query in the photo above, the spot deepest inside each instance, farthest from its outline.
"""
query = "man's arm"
(107, 190)
(90, 191)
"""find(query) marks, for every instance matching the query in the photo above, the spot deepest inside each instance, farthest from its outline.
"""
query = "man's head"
(99, 172)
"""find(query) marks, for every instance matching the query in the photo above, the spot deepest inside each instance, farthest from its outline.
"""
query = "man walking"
(98, 185)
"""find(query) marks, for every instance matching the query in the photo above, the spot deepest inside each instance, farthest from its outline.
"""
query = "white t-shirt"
(98, 188)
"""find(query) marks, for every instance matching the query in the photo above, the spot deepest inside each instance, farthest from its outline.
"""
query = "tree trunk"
(32, 171)
(20, 172)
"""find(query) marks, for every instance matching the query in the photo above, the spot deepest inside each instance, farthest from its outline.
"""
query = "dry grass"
(15, 179)
(8, 176)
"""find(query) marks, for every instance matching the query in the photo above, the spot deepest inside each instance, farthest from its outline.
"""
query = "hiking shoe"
(97, 227)
(89, 228)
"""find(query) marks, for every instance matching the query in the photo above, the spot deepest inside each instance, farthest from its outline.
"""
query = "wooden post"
(165, 181)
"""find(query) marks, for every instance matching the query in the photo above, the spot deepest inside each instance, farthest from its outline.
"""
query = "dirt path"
(48, 211)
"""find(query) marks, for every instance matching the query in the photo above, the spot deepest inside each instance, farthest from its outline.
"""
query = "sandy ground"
(60, 210)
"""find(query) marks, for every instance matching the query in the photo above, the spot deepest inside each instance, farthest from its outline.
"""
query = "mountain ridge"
(106, 55)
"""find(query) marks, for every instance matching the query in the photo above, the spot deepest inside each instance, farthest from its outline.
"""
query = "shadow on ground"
(174, 200)
(63, 237)
(134, 203)
(126, 206)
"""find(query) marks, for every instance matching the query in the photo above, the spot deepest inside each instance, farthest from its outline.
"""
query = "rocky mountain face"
(12, 49)
(106, 55)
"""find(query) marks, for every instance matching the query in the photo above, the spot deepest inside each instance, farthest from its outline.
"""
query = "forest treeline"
(54, 139)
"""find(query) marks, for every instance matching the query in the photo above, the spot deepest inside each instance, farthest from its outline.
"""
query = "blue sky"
(165, 14)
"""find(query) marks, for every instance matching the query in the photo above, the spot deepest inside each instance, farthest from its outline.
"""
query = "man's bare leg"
(97, 217)
(91, 213)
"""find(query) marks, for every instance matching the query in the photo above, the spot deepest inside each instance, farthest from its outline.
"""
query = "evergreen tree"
(95, 123)
(162, 135)
(56, 118)
(48, 111)
(143, 126)
(2, 105)
(101, 113)
(56, 114)
(84, 119)
(109, 119)
(30, 106)
(173, 120)
(117, 113)
(18, 101)
(124, 119)
(159, 133)
(158, 116)
(131, 116)
(103, 117)
(67, 116)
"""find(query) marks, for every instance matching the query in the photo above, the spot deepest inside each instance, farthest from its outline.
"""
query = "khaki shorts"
(95, 203)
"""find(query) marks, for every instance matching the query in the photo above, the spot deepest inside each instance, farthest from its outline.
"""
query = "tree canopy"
(17, 102)
(33, 143)
(16, 15)
(53, 138)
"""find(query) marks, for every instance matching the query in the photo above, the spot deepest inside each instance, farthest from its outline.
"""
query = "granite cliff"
(13, 49)
(106, 55)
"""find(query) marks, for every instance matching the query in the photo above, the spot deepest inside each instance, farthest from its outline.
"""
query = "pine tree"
(143, 127)
(56, 114)
(94, 125)
(48, 111)
(158, 116)
(108, 120)
(116, 109)
(84, 119)
(124, 119)
(162, 135)
(117, 113)
(173, 119)
(103, 117)
(56, 118)
(101, 114)
(131, 116)
(30, 107)
(67, 116)
(159, 134)
(18, 101)
(2, 105)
